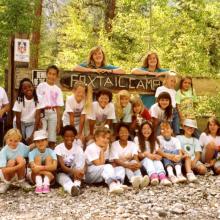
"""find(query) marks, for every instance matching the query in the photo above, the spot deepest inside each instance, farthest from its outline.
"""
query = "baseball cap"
(190, 123)
(40, 135)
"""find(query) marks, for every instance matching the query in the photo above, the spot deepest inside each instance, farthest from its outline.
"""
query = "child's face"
(164, 103)
(27, 89)
(152, 60)
(12, 142)
(52, 76)
(124, 100)
(68, 139)
(123, 134)
(41, 144)
(137, 109)
(79, 93)
(187, 84)
(213, 128)
(171, 82)
(103, 140)
(103, 100)
(97, 57)
(146, 131)
(166, 131)
(188, 130)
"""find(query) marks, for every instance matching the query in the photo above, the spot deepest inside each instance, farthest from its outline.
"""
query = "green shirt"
(185, 101)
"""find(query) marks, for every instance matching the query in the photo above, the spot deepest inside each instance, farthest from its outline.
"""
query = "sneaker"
(4, 187)
(136, 181)
(181, 179)
(25, 186)
(75, 191)
(191, 177)
(46, 189)
(115, 188)
(173, 179)
(38, 189)
(165, 182)
(144, 181)
(154, 179)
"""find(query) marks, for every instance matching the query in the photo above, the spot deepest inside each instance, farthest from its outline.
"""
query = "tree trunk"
(35, 36)
(109, 14)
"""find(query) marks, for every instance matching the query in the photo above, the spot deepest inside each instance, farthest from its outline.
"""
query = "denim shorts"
(167, 162)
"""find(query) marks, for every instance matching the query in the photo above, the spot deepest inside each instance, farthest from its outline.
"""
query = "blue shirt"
(8, 153)
(107, 67)
(159, 70)
(46, 153)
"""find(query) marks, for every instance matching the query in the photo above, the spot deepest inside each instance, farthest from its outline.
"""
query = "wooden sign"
(116, 82)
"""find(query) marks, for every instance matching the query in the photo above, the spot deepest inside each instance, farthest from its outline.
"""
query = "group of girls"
(104, 138)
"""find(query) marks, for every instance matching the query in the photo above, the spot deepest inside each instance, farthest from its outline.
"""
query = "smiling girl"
(97, 63)
(27, 110)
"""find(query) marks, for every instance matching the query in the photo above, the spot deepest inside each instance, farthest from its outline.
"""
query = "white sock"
(39, 181)
(178, 170)
(46, 181)
(170, 171)
(77, 183)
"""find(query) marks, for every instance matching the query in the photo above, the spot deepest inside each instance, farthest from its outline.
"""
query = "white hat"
(40, 135)
(190, 123)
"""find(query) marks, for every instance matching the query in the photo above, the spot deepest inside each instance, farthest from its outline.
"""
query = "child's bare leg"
(209, 152)
(200, 169)
(21, 171)
(48, 162)
(188, 165)
(37, 161)
(9, 176)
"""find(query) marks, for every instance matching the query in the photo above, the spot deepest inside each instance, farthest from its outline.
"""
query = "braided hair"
(20, 97)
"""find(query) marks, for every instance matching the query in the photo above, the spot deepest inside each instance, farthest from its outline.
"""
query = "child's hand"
(128, 157)
(156, 157)
(78, 174)
(134, 166)
(176, 158)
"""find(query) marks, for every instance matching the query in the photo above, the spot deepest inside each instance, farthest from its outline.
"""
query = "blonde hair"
(170, 74)
(14, 132)
(91, 62)
(118, 107)
(101, 131)
(136, 100)
(146, 58)
(89, 95)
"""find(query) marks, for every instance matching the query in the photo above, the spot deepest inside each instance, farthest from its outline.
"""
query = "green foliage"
(15, 17)
(186, 34)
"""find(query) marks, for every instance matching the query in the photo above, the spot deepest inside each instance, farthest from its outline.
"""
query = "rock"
(178, 208)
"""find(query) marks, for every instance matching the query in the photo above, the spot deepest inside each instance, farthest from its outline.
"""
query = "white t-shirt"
(157, 112)
(169, 145)
(3, 97)
(189, 145)
(205, 139)
(52, 95)
(102, 114)
(72, 158)
(119, 152)
(28, 110)
(92, 153)
(172, 93)
(73, 106)
(147, 145)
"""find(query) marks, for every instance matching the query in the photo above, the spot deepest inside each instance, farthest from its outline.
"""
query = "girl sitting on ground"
(210, 142)
(170, 151)
(43, 163)
(124, 156)
(97, 160)
(150, 160)
(71, 161)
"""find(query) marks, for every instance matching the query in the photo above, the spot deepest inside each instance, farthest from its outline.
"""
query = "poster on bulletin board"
(22, 50)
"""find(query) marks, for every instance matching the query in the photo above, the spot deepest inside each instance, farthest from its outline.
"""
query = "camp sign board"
(114, 82)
